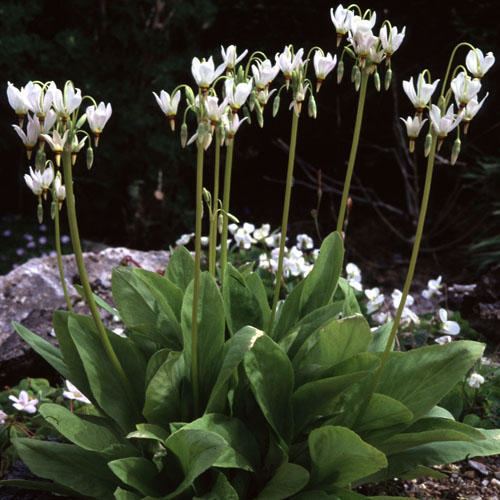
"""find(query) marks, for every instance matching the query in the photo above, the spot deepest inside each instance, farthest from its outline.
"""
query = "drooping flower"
(464, 88)
(413, 128)
(73, 393)
(40, 100)
(230, 56)
(433, 288)
(471, 110)
(447, 326)
(204, 72)
(353, 276)
(215, 111)
(18, 99)
(288, 62)
(238, 94)
(421, 95)
(341, 19)
(56, 143)
(323, 65)
(97, 117)
(476, 380)
(30, 137)
(232, 124)
(304, 242)
(479, 64)
(59, 188)
(359, 24)
(39, 182)
(444, 124)
(66, 102)
(48, 122)
(24, 402)
(362, 41)
(169, 105)
(391, 40)
(264, 73)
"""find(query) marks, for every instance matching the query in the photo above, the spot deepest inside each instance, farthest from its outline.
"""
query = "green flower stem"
(197, 280)
(225, 206)
(286, 211)
(212, 253)
(60, 266)
(354, 150)
(409, 276)
(77, 249)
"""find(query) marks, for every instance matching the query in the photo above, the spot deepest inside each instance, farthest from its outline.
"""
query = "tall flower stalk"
(212, 252)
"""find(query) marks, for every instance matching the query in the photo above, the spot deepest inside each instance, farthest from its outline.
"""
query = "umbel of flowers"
(215, 391)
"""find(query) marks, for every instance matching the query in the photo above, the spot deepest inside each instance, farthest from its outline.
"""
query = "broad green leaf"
(241, 306)
(197, 451)
(99, 301)
(154, 363)
(121, 494)
(351, 305)
(256, 285)
(328, 346)
(68, 465)
(289, 313)
(270, 374)
(45, 349)
(339, 457)
(180, 268)
(221, 490)
(163, 393)
(145, 308)
(139, 473)
(37, 486)
(149, 431)
(382, 412)
(439, 412)
(380, 337)
(320, 284)
(422, 471)
(234, 352)
(211, 331)
(288, 480)
(242, 450)
(420, 378)
(322, 398)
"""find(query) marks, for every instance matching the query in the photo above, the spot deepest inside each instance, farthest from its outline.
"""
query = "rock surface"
(31, 292)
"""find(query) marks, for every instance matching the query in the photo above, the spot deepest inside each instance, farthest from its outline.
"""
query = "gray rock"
(31, 292)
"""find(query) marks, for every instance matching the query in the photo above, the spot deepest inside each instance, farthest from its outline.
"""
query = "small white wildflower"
(433, 288)
(120, 332)
(354, 276)
(262, 232)
(375, 299)
(73, 393)
(205, 240)
(445, 339)
(475, 380)
(185, 239)
(447, 326)
(305, 242)
(24, 402)
(273, 240)
(243, 236)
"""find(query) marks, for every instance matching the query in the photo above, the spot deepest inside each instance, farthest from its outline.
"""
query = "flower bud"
(241, 74)
(53, 208)
(39, 212)
(428, 144)
(247, 114)
(207, 196)
(457, 145)
(40, 159)
(340, 71)
(353, 73)
(376, 81)
(312, 108)
(190, 96)
(184, 134)
(276, 105)
(73, 159)
(357, 78)
(90, 157)
(260, 115)
(81, 121)
(388, 79)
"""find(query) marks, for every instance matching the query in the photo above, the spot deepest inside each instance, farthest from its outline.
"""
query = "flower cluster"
(444, 119)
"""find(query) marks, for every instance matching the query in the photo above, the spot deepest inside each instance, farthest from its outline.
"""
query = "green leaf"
(322, 398)
(328, 346)
(222, 490)
(121, 494)
(180, 268)
(163, 393)
(339, 457)
(196, 451)
(234, 352)
(68, 465)
(37, 486)
(288, 480)
(138, 473)
(320, 284)
(256, 285)
(429, 373)
(154, 363)
(421, 471)
(99, 301)
(351, 305)
(147, 307)
(241, 451)
(241, 306)
(149, 431)
(289, 313)
(270, 374)
(45, 349)
(380, 337)
(211, 330)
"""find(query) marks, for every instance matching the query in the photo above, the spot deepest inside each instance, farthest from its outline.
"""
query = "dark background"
(122, 50)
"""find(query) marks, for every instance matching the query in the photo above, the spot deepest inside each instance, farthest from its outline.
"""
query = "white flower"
(375, 299)
(295, 264)
(391, 40)
(323, 64)
(444, 124)
(24, 402)
(358, 24)
(214, 110)
(168, 104)
(264, 261)
(204, 72)
(262, 232)
(273, 240)
(97, 117)
(472, 108)
(305, 242)
(354, 276)
(445, 339)
(120, 332)
(30, 138)
(56, 143)
(243, 236)
(59, 189)
(232, 124)
(184, 239)
(232, 228)
(237, 95)
(341, 19)
(362, 41)
(433, 288)
(380, 317)
(48, 122)
(18, 98)
(475, 380)
(376, 56)
(230, 57)
(464, 88)
(397, 295)
(205, 240)
(65, 103)
(446, 326)
(3, 417)
(478, 64)
(288, 62)
(264, 73)
(421, 95)
(413, 126)
(408, 316)
(39, 182)
(73, 393)
(40, 100)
